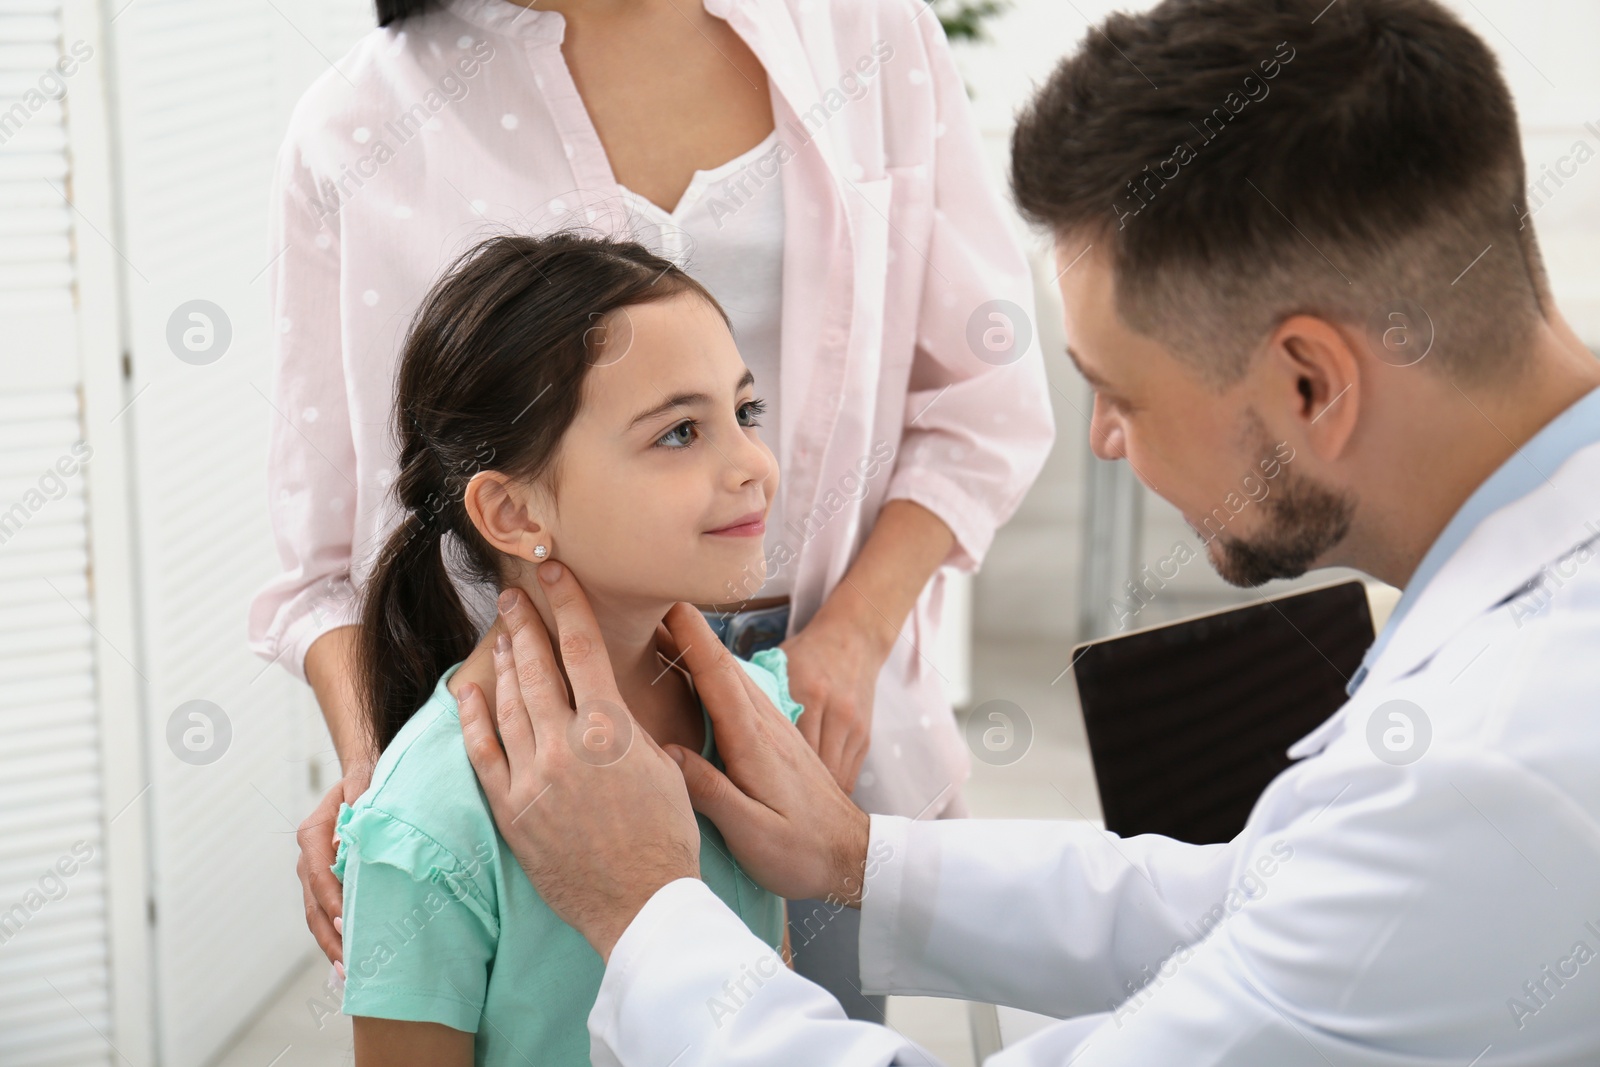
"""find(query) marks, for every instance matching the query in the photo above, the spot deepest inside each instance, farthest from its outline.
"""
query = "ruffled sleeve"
(377, 837)
(769, 669)
(420, 928)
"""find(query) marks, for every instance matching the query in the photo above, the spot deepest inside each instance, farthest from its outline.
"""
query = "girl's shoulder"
(424, 812)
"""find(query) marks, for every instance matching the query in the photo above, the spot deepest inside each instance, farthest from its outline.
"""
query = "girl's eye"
(683, 434)
(680, 436)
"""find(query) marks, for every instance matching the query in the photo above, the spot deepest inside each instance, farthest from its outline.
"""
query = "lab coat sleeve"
(1020, 912)
(1409, 910)
(689, 984)
(1055, 917)
(1432, 907)
(977, 427)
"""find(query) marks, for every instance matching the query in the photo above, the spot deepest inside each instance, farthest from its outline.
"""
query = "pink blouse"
(895, 368)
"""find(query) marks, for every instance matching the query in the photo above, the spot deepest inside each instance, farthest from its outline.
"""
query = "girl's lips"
(749, 528)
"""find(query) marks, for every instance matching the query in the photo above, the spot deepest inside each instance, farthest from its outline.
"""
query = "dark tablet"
(1188, 722)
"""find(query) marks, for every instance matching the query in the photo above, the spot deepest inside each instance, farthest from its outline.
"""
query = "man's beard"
(1305, 520)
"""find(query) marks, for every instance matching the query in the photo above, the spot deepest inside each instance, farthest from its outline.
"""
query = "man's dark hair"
(1245, 160)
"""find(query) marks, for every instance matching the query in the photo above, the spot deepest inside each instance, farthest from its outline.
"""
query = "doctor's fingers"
(666, 643)
(530, 696)
(777, 807)
(713, 668)
(488, 759)
(718, 799)
(583, 650)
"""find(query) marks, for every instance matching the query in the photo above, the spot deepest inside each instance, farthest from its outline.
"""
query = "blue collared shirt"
(1575, 428)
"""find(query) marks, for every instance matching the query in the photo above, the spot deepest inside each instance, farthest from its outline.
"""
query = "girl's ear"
(505, 514)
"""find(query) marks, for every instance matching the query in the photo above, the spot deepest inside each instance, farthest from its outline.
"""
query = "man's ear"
(1316, 382)
(505, 514)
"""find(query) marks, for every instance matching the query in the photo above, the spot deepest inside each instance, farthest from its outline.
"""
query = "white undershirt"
(727, 233)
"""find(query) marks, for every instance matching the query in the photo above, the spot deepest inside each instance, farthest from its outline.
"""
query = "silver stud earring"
(540, 552)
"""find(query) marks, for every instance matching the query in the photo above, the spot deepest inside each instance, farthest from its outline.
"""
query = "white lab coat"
(1441, 912)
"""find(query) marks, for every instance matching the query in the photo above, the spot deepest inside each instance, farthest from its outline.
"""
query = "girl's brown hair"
(491, 377)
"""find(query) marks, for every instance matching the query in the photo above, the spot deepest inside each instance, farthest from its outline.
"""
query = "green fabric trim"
(776, 662)
(383, 838)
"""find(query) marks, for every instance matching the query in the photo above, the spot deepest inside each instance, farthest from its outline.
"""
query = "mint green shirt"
(442, 925)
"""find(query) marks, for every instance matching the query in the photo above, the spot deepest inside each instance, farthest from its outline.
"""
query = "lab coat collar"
(1553, 445)
(1506, 553)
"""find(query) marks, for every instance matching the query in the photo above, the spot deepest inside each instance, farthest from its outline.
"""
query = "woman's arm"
(979, 424)
(329, 669)
(311, 455)
(978, 431)
(835, 660)
(393, 1043)
(304, 617)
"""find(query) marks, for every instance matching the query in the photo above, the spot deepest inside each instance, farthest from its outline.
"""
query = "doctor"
(1277, 222)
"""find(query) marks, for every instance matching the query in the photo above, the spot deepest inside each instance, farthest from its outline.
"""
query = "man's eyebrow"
(1089, 376)
(687, 400)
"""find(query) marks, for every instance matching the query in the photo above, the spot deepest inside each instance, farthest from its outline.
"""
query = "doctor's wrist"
(850, 863)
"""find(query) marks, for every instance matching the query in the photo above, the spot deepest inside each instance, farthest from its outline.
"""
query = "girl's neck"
(658, 696)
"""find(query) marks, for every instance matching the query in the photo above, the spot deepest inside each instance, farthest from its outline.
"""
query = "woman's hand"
(333, 678)
(323, 894)
(834, 664)
(596, 813)
(835, 660)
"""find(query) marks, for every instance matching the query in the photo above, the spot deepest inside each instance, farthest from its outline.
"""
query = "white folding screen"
(201, 89)
(148, 904)
(55, 987)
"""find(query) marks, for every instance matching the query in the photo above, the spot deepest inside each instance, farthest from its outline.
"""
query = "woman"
(855, 242)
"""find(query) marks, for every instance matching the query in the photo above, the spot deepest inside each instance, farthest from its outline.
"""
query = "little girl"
(558, 397)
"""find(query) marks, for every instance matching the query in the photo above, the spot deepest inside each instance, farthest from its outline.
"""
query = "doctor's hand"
(780, 810)
(594, 810)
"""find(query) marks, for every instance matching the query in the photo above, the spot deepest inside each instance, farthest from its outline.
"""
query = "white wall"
(201, 89)
(138, 182)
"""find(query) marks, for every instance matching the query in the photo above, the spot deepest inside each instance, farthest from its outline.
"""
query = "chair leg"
(985, 1020)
